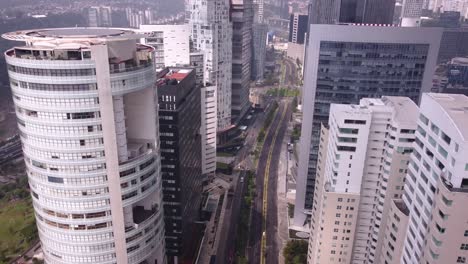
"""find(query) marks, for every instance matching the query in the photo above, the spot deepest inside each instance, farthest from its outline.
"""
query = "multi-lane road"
(263, 243)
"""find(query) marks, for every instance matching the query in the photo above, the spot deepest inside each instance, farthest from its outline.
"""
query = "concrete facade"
(325, 83)
(242, 40)
(172, 44)
(435, 189)
(92, 155)
(364, 169)
(211, 33)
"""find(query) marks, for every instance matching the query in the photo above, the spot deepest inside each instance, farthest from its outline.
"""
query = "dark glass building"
(298, 28)
(179, 128)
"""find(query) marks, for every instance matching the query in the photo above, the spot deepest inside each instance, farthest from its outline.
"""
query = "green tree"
(295, 252)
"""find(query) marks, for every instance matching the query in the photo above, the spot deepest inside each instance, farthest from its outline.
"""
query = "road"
(225, 252)
(290, 72)
(264, 225)
(226, 247)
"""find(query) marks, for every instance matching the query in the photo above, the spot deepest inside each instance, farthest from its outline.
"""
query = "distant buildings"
(99, 16)
(347, 63)
(351, 11)
(298, 28)
(452, 78)
(211, 33)
(297, 33)
(362, 169)
(439, 6)
(454, 43)
(242, 39)
(137, 17)
(92, 155)
(324, 12)
(172, 44)
(179, 132)
(411, 13)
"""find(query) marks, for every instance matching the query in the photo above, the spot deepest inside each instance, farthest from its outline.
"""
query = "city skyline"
(233, 131)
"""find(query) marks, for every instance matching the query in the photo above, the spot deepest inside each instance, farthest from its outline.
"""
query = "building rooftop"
(456, 107)
(72, 34)
(405, 110)
(173, 75)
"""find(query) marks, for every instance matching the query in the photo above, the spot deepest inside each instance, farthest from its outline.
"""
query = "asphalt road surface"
(267, 174)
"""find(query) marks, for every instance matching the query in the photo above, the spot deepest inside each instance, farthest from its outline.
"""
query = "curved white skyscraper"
(87, 115)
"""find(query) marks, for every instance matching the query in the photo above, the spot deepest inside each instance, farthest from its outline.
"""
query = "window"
(464, 247)
(435, 129)
(424, 119)
(461, 260)
(445, 138)
(357, 122)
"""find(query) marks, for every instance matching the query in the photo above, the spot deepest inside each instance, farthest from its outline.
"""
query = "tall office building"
(172, 44)
(99, 16)
(411, 13)
(348, 11)
(347, 63)
(211, 33)
(351, 11)
(179, 131)
(209, 115)
(324, 12)
(297, 33)
(362, 169)
(137, 17)
(298, 28)
(436, 185)
(92, 155)
(242, 40)
(260, 32)
(375, 12)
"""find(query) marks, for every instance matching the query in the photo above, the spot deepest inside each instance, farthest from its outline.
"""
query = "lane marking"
(265, 189)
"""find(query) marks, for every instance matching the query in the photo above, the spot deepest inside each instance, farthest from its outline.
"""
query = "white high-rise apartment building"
(411, 13)
(211, 33)
(362, 164)
(260, 32)
(172, 44)
(99, 16)
(347, 63)
(436, 190)
(87, 115)
(208, 129)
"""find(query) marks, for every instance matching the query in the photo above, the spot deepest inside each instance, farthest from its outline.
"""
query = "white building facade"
(172, 44)
(361, 169)
(92, 155)
(437, 183)
(211, 33)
